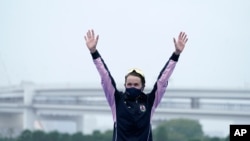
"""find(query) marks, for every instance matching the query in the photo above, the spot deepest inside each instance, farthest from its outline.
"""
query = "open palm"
(180, 42)
(91, 40)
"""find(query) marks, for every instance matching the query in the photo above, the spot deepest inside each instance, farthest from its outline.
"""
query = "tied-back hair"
(134, 73)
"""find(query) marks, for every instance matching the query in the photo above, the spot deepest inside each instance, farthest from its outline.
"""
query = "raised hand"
(180, 42)
(91, 40)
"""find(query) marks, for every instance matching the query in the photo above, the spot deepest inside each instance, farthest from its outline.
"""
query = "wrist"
(175, 57)
(95, 54)
(92, 50)
(177, 52)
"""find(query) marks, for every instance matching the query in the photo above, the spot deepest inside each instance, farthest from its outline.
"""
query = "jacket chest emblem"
(142, 108)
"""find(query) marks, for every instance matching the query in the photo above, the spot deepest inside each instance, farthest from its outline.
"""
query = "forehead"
(133, 79)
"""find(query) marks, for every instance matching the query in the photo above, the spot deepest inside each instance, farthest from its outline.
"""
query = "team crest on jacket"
(142, 108)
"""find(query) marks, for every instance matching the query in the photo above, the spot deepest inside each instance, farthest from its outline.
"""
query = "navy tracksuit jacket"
(132, 118)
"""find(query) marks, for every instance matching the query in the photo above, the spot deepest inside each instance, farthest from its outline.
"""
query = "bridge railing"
(177, 99)
(176, 103)
(207, 104)
(12, 96)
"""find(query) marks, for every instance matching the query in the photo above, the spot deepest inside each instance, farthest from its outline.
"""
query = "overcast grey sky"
(42, 41)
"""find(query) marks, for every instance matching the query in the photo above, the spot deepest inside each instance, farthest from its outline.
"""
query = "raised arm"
(162, 81)
(107, 80)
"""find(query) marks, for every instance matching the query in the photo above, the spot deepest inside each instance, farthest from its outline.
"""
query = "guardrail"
(174, 98)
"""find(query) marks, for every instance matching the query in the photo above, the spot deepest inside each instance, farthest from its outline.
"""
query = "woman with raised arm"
(132, 109)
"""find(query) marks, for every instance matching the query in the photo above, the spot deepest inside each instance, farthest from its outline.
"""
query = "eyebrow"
(132, 83)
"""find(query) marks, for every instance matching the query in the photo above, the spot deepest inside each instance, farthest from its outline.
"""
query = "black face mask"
(133, 92)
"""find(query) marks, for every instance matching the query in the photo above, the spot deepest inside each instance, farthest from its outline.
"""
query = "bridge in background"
(24, 106)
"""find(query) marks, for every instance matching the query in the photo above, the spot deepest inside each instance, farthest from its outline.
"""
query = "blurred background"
(48, 81)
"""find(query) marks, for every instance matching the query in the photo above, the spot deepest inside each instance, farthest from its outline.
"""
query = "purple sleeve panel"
(162, 81)
(107, 81)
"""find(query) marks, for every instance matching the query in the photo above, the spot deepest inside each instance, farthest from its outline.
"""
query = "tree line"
(171, 130)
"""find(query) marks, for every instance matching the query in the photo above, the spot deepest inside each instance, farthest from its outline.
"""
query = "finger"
(184, 37)
(180, 35)
(186, 40)
(85, 38)
(92, 33)
(88, 34)
(97, 38)
(174, 40)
